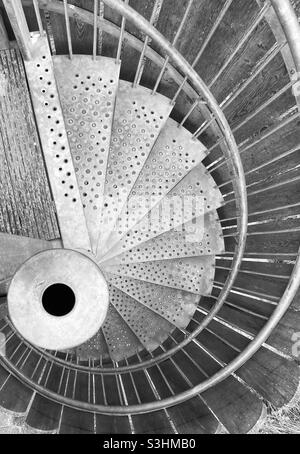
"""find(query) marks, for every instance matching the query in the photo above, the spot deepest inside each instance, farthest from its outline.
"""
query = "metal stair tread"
(193, 274)
(138, 119)
(87, 89)
(195, 195)
(172, 156)
(202, 237)
(176, 306)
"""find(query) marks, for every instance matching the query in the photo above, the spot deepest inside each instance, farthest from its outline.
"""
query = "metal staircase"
(170, 195)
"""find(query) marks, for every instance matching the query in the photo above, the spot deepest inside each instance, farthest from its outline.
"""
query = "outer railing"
(290, 24)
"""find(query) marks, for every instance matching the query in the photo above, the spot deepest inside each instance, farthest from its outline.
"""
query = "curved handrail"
(233, 156)
(186, 395)
(280, 310)
(290, 25)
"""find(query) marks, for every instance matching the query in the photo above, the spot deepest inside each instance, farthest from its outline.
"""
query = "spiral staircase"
(158, 142)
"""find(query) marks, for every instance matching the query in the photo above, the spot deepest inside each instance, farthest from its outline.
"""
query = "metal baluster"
(36, 367)
(74, 385)
(245, 38)
(121, 36)
(48, 374)
(204, 45)
(38, 16)
(67, 20)
(96, 3)
(27, 351)
(162, 71)
(256, 142)
(118, 384)
(157, 396)
(100, 32)
(272, 53)
(163, 376)
(139, 71)
(247, 119)
(192, 108)
(9, 337)
(103, 384)
(61, 380)
(25, 360)
(4, 326)
(119, 378)
(15, 351)
(93, 382)
(133, 384)
(202, 128)
(265, 164)
(89, 380)
(67, 383)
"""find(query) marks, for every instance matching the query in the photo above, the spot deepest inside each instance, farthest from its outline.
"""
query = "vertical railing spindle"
(121, 36)
(38, 16)
(96, 3)
(67, 20)
(140, 68)
(205, 44)
(162, 71)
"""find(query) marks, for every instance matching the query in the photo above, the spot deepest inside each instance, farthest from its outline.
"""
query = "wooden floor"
(26, 202)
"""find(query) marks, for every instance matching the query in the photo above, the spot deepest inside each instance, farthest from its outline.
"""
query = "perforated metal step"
(202, 237)
(193, 196)
(173, 155)
(120, 339)
(87, 90)
(176, 306)
(138, 119)
(149, 327)
(56, 150)
(95, 348)
(147, 200)
(192, 274)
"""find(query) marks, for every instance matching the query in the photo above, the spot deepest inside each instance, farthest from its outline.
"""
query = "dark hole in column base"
(58, 300)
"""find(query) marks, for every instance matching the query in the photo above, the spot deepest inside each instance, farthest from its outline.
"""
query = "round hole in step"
(58, 299)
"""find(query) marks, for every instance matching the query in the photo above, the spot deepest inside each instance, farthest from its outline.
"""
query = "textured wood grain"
(230, 31)
(26, 203)
(274, 377)
(15, 396)
(44, 414)
(76, 422)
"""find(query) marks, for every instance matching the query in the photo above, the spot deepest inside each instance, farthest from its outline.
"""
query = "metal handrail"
(247, 353)
(237, 168)
(290, 291)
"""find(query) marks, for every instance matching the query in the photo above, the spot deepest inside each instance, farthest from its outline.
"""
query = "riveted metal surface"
(193, 274)
(87, 90)
(120, 339)
(173, 155)
(195, 239)
(149, 327)
(176, 306)
(193, 196)
(55, 146)
(138, 120)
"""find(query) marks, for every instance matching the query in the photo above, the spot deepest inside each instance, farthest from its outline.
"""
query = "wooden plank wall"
(26, 203)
